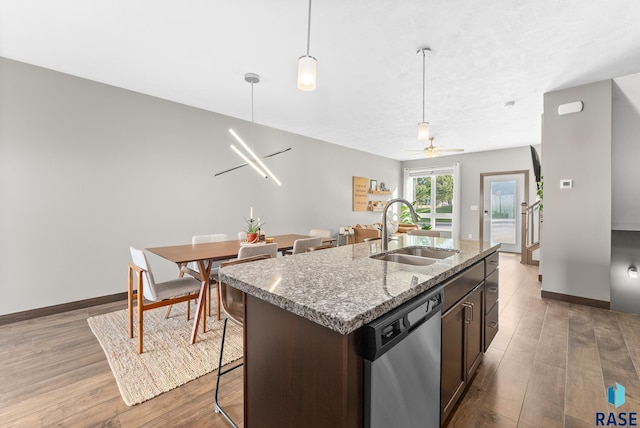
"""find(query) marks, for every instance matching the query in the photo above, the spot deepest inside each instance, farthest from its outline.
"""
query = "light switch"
(474, 208)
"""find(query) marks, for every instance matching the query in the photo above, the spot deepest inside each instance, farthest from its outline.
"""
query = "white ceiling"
(369, 94)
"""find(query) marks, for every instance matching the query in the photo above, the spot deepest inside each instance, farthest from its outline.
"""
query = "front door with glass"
(502, 194)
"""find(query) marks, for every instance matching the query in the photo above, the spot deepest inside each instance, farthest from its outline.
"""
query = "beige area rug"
(168, 360)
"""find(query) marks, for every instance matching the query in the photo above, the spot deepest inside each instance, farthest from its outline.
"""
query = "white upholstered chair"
(320, 232)
(301, 245)
(258, 250)
(242, 236)
(213, 277)
(320, 247)
(157, 294)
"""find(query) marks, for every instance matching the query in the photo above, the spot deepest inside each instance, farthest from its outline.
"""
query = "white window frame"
(433, 172)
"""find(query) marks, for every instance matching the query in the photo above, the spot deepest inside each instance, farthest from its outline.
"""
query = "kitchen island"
(303, 319)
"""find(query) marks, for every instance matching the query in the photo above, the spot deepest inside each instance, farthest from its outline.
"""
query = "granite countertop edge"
(347, 326)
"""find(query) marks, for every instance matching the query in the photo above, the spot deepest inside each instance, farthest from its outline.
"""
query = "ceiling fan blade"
(245, 164)
(451, 150)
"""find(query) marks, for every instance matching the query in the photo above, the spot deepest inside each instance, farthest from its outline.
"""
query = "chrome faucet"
(385, 242)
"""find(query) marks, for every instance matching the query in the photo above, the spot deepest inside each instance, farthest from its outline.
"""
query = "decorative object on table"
(307, 65)
(169, 360)
(256, 163)
(253, 229)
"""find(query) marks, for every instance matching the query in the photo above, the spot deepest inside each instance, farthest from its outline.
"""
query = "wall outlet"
(470, 236)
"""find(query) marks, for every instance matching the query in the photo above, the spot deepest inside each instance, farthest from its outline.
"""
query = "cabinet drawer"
(491, 263)
(491, 290)
(458, 286)
(491, 325)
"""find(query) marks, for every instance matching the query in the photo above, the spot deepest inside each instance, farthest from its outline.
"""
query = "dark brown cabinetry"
(462, 334)
(491, 293)
(469, 324)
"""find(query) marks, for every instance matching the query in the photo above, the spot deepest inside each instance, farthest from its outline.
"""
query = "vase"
(252, 238)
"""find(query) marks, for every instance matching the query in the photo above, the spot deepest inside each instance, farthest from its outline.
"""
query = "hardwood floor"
(549, 366)
(551, 362)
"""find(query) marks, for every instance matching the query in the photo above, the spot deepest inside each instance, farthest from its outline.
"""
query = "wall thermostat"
(566, 183)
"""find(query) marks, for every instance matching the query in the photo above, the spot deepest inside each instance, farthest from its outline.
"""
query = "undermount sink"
(433, 253)
(406, 259)
(416, 256)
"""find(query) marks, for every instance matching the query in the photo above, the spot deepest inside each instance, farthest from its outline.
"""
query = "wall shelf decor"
(368, 195)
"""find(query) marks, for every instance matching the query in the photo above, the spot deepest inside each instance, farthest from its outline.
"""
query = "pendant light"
(423, 127)
(307, 65)
(256, 163)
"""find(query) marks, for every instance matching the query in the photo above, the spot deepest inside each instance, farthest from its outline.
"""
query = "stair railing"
(531, 226)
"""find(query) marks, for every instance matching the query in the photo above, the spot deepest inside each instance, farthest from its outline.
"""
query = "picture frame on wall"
(373, 184)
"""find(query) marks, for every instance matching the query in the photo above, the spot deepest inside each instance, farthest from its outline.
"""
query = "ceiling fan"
(432, 151)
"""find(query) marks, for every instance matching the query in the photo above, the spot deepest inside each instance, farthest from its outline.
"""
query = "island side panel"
(299, 373)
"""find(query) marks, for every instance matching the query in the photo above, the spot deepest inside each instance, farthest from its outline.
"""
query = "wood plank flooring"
(549, 366)
(551, 362)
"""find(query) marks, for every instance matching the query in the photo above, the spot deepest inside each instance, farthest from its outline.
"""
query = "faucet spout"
(414, 216)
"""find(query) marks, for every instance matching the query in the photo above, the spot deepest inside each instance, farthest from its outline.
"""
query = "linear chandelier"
(264, 172)
(252, 159)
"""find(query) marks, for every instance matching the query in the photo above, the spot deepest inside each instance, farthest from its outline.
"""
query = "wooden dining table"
(204, 255)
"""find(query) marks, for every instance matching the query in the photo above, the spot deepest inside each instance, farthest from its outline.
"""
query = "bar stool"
(233, 307)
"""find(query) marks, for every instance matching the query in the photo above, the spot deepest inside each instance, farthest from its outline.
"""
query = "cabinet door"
(452, 381)
(474, 313)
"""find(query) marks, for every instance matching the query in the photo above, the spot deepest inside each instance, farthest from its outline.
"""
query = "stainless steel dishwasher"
(402, 365)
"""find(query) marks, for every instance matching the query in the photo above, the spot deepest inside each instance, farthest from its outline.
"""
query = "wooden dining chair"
(233, 307)
(158, 294)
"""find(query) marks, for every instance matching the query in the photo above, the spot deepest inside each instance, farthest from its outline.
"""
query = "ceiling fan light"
(423, 131)
(307, 71)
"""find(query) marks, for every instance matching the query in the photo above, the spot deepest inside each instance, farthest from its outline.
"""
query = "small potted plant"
(253, 230)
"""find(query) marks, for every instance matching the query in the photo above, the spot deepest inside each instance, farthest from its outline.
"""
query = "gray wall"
(87, 170)
(471, 166)
(625, 221)
(576, 233)
(625, 153)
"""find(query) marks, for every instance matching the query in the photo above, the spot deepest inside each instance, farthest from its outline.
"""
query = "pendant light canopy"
(307, 65)
(423, 127)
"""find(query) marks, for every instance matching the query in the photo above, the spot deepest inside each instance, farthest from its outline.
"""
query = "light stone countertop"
(343, 288)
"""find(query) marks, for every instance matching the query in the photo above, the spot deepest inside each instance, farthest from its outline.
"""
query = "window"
(432, 192)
